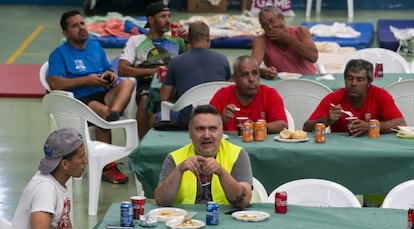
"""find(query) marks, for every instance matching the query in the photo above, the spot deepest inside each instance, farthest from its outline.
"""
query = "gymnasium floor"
(28, 35)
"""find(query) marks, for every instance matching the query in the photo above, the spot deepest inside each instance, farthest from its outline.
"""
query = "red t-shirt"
(379, 104)
(266, 105)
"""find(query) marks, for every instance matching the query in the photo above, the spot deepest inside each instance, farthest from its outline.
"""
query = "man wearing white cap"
(45, 202)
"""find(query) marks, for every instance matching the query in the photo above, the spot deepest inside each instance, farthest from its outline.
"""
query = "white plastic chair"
(318, 7)
(129, 111)
(392, 62)
(4, 223)
(259, 194)
(403, 94)
(316, 193)
(197, 95)
(412, 65)
(291, 121)
(301, 96)
(65, 111)
(400, 197)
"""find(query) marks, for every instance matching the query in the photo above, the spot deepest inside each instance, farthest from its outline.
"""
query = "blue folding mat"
(386, 38)
(364, 41)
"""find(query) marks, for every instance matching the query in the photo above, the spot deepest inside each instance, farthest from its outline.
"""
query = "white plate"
(406, 130)
(164, 214)
(288, 75)
(252, 216)
(177, 224)
(278, 138)
(225, 136)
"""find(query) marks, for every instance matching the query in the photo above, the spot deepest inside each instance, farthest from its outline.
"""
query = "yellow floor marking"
(25, 44)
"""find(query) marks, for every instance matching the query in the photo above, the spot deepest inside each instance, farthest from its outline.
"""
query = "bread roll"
(285, 134)
(299, 134)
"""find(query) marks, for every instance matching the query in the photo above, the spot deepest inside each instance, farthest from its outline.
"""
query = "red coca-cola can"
(379, 71)
(162, 72)
(174, 29)
(281, 202)
(410, 217)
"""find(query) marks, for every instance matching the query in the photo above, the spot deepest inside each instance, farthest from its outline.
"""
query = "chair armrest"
(62, 92)
(165, 110)
(130, 126)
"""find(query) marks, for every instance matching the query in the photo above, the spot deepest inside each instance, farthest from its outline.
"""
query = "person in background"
(248, 98)
(196, 66)
(282, 48)
(144, 53)
(362, 98)
(81, 66)
(45, 201)
(208, 169)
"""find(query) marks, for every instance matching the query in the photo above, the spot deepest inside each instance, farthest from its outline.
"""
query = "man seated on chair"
(365, 100)
(282, 48)
(248, 98)
(46, 201)
(208, 169)
(82, 67)
(198, 65)
(144, 53)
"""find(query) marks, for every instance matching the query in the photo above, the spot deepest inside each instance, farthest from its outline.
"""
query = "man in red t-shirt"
(364, 100)
(248, 98)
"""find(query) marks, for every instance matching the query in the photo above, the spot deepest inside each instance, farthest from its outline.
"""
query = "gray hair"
(242, 59)
(357, 65)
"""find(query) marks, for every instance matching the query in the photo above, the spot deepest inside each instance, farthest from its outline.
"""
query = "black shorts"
(143, 89)
(99, 96)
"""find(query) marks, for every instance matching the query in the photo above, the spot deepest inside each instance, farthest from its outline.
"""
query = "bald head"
(198, 31)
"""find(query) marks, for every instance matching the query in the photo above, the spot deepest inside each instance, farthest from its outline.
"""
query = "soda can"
(320, 133)
(260, 132)
(247, 131)
(349, 121)
(281, 202)
(174, 30)
(374, 128)
(240, 122)
(126, 214)
(162, 72)
(379, 72)
(212, 213)
(410, 217)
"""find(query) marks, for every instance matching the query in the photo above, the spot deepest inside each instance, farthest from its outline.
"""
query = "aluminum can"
(281, 202)
(379, 72)
(374, 128)
(410, 218)
(260, 132)
(174, 30)
(126, 219)
(240, 122)
(162, 72)
(320, 133)
(212, 213)
(247, 131)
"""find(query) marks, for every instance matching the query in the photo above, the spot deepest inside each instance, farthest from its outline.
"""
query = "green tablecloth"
(296, 217)
(364, 165)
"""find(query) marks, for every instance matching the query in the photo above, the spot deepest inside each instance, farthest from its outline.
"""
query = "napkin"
(326, 77)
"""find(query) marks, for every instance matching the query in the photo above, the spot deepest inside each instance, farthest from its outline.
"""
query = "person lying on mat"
(46, 201)
(282, 48)
(81, 66)
(363, 99)
(248, 98)
(208, 169)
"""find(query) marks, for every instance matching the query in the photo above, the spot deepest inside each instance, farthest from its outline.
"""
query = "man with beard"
(248, 98)
(143, 54)
(81, 66)
(208, 169)
(364, 100)
(282, 48)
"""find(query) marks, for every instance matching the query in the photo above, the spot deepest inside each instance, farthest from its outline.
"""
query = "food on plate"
(299, 134)
(187, 222)
(285, 134)
(248, 216)
(169, 213)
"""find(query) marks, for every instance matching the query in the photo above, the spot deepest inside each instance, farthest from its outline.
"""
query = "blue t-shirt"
(69, 62)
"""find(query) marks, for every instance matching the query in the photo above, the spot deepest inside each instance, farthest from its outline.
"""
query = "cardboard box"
(204, 6)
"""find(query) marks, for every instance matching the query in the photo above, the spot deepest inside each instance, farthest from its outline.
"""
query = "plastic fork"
(345, 112)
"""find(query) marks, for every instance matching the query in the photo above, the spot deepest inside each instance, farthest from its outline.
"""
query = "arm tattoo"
(239, 199)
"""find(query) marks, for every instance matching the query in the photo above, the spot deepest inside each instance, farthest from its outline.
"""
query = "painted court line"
(24, 45)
